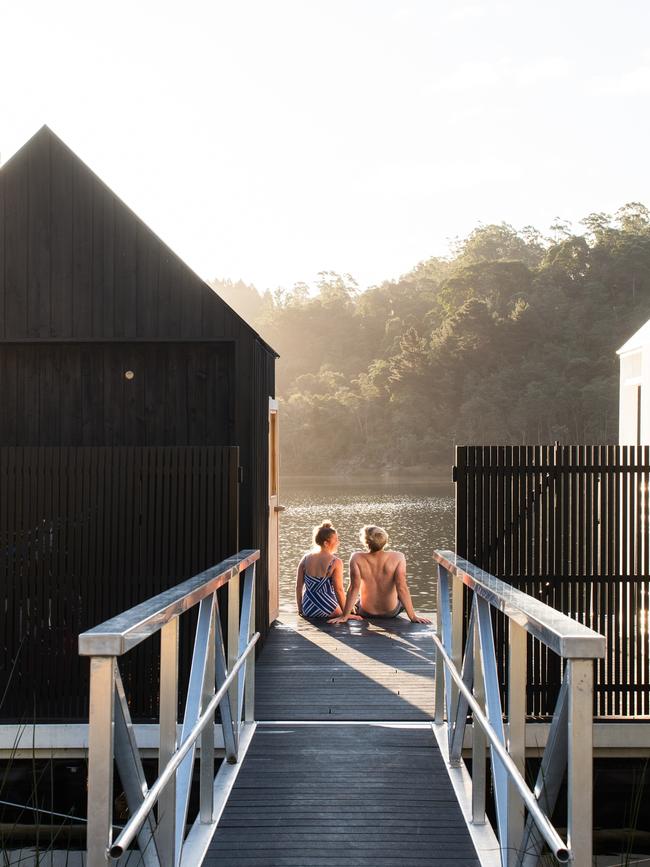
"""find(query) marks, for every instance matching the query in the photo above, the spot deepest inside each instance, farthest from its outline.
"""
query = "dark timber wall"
(569, 525)
(76, 393)
(86, 533)
(107, 339)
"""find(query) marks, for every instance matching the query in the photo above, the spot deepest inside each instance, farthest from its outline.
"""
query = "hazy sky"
(270, 139)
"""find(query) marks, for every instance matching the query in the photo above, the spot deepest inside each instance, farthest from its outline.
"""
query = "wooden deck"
(379, 670)
(344, 768)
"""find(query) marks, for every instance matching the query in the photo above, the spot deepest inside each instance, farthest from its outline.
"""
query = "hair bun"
(324, 532)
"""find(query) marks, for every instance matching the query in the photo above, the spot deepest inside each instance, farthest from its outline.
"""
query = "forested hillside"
(511, 339)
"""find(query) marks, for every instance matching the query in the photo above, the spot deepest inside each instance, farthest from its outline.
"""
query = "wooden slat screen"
(568, 524)
(86, 533)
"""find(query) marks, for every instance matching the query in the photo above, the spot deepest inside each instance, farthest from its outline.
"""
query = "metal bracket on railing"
(549, 778)
(163, 841)
(129, 767)
(476, 689)
(459, 718)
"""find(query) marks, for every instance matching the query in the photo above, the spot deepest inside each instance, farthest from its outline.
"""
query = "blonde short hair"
(374, 538)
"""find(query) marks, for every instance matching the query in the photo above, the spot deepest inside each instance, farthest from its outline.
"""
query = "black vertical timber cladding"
(567, 524)
(59, 578)
(87, 292)
(117, 393)
(16, 231)
(264, 387)
(2, 257)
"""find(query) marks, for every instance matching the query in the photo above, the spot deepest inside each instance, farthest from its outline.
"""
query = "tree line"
(510, 339)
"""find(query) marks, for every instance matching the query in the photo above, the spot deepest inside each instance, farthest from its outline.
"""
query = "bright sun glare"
(270, 141)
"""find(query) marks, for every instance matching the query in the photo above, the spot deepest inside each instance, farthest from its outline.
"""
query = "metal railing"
(467, 680)
(220, 677)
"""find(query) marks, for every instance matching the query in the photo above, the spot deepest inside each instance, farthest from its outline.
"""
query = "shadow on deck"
(344, 768)
(362, 670)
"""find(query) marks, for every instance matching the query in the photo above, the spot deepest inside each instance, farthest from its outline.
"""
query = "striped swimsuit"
(319, 598)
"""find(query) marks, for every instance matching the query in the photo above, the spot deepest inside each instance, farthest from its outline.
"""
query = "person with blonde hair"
(319, 577)
(377, 581)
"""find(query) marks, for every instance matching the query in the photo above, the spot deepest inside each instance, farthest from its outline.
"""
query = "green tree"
(511, 339)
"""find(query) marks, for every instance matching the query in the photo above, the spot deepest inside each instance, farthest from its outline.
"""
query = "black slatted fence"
(86, 533)
(569, 525)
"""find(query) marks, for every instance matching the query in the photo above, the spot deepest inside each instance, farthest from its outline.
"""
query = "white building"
(634, 394)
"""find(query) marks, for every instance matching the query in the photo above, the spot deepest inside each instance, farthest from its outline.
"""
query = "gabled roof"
(79, 263)
(638, 340)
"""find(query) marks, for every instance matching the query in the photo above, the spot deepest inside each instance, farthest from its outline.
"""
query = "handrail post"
(249, 688)
(580, 761)
(206, 772)
(439, 697)
(517, 671)
(444, 682)
(100, 759)
(439, 673)
(457, 628)
(166, 830)
(479, 741)
(233, 649)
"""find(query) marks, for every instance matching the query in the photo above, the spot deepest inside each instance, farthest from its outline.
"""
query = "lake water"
(417, 516)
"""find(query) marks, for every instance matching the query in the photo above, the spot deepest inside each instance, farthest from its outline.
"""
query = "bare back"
(379, 572)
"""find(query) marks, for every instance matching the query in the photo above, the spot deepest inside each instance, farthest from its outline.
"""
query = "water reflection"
(418, 517)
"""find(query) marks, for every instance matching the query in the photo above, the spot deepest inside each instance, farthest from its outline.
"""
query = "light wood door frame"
(273, 554)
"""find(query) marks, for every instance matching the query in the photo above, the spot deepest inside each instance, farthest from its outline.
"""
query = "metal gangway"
(221, 676)
(467, 681)
(468, 715)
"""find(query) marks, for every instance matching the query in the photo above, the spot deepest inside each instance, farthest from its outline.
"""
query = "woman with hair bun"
(377, 580)
(319, 579)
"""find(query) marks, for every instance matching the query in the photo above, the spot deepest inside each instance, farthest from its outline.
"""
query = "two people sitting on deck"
(377, 588)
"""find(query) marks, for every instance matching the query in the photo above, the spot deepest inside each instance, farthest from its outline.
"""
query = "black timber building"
(134, 423)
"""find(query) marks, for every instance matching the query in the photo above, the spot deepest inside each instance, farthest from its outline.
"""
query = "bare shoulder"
(355, 556)
(397, 557)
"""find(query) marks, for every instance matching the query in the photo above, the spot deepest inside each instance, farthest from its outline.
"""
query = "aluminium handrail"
(221, 676)
(457, 691)
(558, 631)
(134, 824)
(551, 836)
(125, 631)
